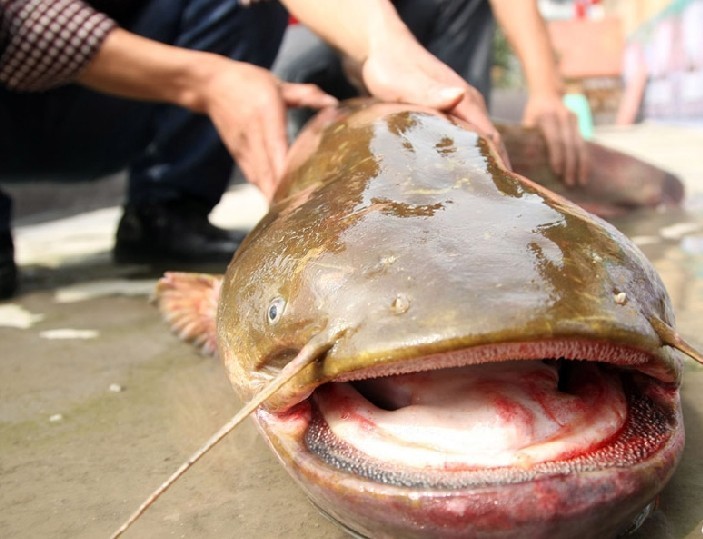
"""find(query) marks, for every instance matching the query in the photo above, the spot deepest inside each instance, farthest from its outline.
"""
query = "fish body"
(617, 183)
(490, 358)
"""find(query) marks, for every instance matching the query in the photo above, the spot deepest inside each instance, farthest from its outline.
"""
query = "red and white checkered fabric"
(48, 42)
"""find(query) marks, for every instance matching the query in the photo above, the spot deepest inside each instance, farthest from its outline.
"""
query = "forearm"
(356, 27)
(527, 33)
(45, 44)
(131, 66)
(246, 103)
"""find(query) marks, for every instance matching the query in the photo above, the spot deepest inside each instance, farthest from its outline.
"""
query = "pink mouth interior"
(515, 414)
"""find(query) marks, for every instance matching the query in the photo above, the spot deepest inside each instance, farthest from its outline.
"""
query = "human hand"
(248, 104)
(403, 71)
(565, 145)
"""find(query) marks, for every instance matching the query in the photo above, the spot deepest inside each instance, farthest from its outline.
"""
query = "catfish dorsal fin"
(188, 303)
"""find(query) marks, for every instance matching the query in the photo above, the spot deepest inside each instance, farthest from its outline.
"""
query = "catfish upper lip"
(567, 348)
(331, 368)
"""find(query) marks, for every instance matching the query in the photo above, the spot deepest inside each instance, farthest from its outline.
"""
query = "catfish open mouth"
(495, 422)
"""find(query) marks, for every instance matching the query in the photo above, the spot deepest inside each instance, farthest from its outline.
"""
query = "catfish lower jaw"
(596, 492)
(509, 414)
(618, 426)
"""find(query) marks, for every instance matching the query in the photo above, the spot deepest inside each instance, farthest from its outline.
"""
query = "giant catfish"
(481, 357)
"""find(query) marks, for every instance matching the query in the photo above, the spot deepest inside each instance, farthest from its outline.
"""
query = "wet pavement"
(99, 403)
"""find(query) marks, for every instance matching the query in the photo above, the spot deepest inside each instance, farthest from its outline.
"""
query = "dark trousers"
(74, 134)
(458, 32)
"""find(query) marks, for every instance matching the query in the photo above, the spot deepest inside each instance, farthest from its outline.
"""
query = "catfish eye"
(275, 311)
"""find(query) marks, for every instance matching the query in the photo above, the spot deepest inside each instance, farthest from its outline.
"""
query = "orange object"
(588, 48)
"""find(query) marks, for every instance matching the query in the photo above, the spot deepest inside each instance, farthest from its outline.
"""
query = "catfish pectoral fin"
(188, 303)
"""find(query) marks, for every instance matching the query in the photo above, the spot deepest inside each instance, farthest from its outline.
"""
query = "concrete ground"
(99, 403)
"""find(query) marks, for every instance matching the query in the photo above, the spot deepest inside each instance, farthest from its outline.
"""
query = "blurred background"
(633, 60)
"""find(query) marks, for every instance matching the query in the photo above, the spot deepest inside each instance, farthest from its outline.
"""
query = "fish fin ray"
(188, 304)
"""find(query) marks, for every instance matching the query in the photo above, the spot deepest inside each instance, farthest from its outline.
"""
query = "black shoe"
(172, 233)
(8, 268)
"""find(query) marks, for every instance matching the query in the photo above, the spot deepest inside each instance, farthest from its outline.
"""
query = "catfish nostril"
(400, 304)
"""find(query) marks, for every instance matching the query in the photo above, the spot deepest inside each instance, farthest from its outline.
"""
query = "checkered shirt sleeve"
(46, 43)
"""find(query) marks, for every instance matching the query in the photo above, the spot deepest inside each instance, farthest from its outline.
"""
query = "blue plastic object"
(578, 104)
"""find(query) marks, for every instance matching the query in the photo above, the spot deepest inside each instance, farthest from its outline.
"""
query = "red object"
(580, 10)
(581, 7)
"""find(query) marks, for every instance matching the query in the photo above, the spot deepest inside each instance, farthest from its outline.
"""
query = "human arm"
(246, 103)
(526, 31)
(393, 65)
(48, 44)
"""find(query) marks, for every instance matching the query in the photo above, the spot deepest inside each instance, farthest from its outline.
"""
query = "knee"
(250, 33)
(220, 26)
(263, 16)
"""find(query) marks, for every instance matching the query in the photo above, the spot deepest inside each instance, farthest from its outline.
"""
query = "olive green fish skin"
(405, 230)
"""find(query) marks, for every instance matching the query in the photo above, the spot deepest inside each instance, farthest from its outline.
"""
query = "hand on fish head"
(419, 80)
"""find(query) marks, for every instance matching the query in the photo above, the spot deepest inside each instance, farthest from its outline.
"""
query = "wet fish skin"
(617, 183)
(400, 233)
(390, 204)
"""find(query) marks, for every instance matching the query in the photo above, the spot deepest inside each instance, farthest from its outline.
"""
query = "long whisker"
(669, 335)
(310, 353)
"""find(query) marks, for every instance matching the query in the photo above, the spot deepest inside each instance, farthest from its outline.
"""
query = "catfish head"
(484, 358)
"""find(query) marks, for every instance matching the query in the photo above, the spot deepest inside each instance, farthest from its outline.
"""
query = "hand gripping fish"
(435, 347)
